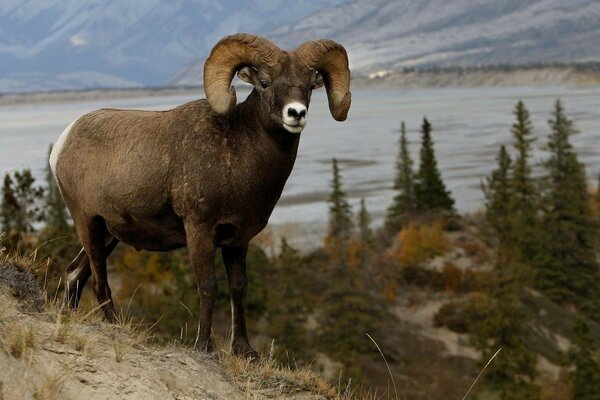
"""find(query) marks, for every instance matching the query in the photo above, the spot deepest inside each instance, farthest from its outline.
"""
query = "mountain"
(62, 44)
(392, 34)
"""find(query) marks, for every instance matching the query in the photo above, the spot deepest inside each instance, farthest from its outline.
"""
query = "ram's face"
(283, 80)
(285, 91)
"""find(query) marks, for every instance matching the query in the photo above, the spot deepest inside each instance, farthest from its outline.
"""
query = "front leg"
(235, 263)
(200, 243)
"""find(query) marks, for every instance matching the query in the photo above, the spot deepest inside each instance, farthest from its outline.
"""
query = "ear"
(248, 75)
(318, 81)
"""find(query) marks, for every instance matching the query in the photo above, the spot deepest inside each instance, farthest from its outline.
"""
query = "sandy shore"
(542, 76)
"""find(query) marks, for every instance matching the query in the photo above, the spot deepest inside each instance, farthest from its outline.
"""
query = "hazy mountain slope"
(56, 44)
(393, 33)
(388, 34)
(60, 44)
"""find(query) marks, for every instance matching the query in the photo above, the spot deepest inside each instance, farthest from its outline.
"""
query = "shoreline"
(382, 80)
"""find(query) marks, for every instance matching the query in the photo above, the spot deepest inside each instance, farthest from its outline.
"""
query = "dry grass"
(78, 330)
(16, 339)
(269, 378)
(267, 375)
(50, 384)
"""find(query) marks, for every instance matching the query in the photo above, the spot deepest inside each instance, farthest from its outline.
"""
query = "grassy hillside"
(49, 352)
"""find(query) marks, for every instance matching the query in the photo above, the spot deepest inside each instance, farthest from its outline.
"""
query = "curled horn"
(331, 60)
(228, 55)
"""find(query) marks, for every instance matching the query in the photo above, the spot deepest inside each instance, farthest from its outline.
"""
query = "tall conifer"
(524, 204)
(586, 376)
(497, 191)
(430, 190)
(20, 208)
(364, 224)
(340, 213)
(404, 201)
(288, 305)
(570, 271)
(498, 321)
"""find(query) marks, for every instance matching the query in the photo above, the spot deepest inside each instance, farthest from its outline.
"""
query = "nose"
(295, 111)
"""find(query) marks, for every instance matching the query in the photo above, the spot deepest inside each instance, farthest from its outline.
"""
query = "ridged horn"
(331, 60)
(227, 56)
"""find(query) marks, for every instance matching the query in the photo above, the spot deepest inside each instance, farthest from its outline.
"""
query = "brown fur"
(159, 180)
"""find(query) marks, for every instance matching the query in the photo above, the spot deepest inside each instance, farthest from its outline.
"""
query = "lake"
(468, 127)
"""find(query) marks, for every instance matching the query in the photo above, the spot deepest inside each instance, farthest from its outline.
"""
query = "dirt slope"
(49, 353)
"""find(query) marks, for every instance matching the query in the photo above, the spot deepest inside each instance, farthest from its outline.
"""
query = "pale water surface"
(468, 127)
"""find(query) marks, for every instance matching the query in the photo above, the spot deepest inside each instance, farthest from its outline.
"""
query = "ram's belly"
(162, 233)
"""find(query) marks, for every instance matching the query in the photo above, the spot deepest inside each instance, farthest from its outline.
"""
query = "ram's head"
(283, 80)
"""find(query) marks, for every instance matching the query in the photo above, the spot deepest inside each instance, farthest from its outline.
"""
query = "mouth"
(295, 128)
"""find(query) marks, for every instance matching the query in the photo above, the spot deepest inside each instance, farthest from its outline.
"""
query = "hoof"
(246, 351)
(204, 346)
(109, 313)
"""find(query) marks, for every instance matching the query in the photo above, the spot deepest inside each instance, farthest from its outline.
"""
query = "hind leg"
(79, 271)
(92, 233)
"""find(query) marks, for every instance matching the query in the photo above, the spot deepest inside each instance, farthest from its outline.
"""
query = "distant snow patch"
(78, 40)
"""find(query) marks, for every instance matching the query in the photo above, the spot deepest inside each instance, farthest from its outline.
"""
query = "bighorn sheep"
(206, 174)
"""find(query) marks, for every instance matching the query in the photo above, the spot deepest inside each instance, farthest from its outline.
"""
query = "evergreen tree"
(524, 205)
(340, 213)
(586, 376)
(570, 271)
(287, 306)
(598, 194)
(404, 202)
(497, 191)
(364, 224)
(497, 321)
(430, 190)
(348, 310)
(10, 206)
(20, 208)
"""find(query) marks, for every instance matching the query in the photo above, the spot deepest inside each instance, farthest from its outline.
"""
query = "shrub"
(416, 244)
(453, 316)
(452, 276)
(423, 277)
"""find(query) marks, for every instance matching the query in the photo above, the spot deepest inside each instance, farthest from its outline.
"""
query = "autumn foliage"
(416, 244)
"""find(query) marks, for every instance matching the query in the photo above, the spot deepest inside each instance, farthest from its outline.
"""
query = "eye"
(317, 81)
(264, 84)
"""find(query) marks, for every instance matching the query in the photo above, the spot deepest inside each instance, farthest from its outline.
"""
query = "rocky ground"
(47, 352)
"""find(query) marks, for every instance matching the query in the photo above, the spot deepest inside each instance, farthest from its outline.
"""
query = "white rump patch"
(57, 148)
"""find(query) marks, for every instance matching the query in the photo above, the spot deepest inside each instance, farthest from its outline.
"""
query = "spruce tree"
(498, 321)
(497, 191)
(20, 208)
(10, 206)
(347, 311)
(524, 204)
(570, 271)
(404, 202)
(598, 194)
(586, 376)
(364, 224)
(348, 308)
(430, 190)
(340, 213)
(287, 306)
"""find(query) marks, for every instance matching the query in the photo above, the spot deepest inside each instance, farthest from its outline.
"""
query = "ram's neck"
(251, 117)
